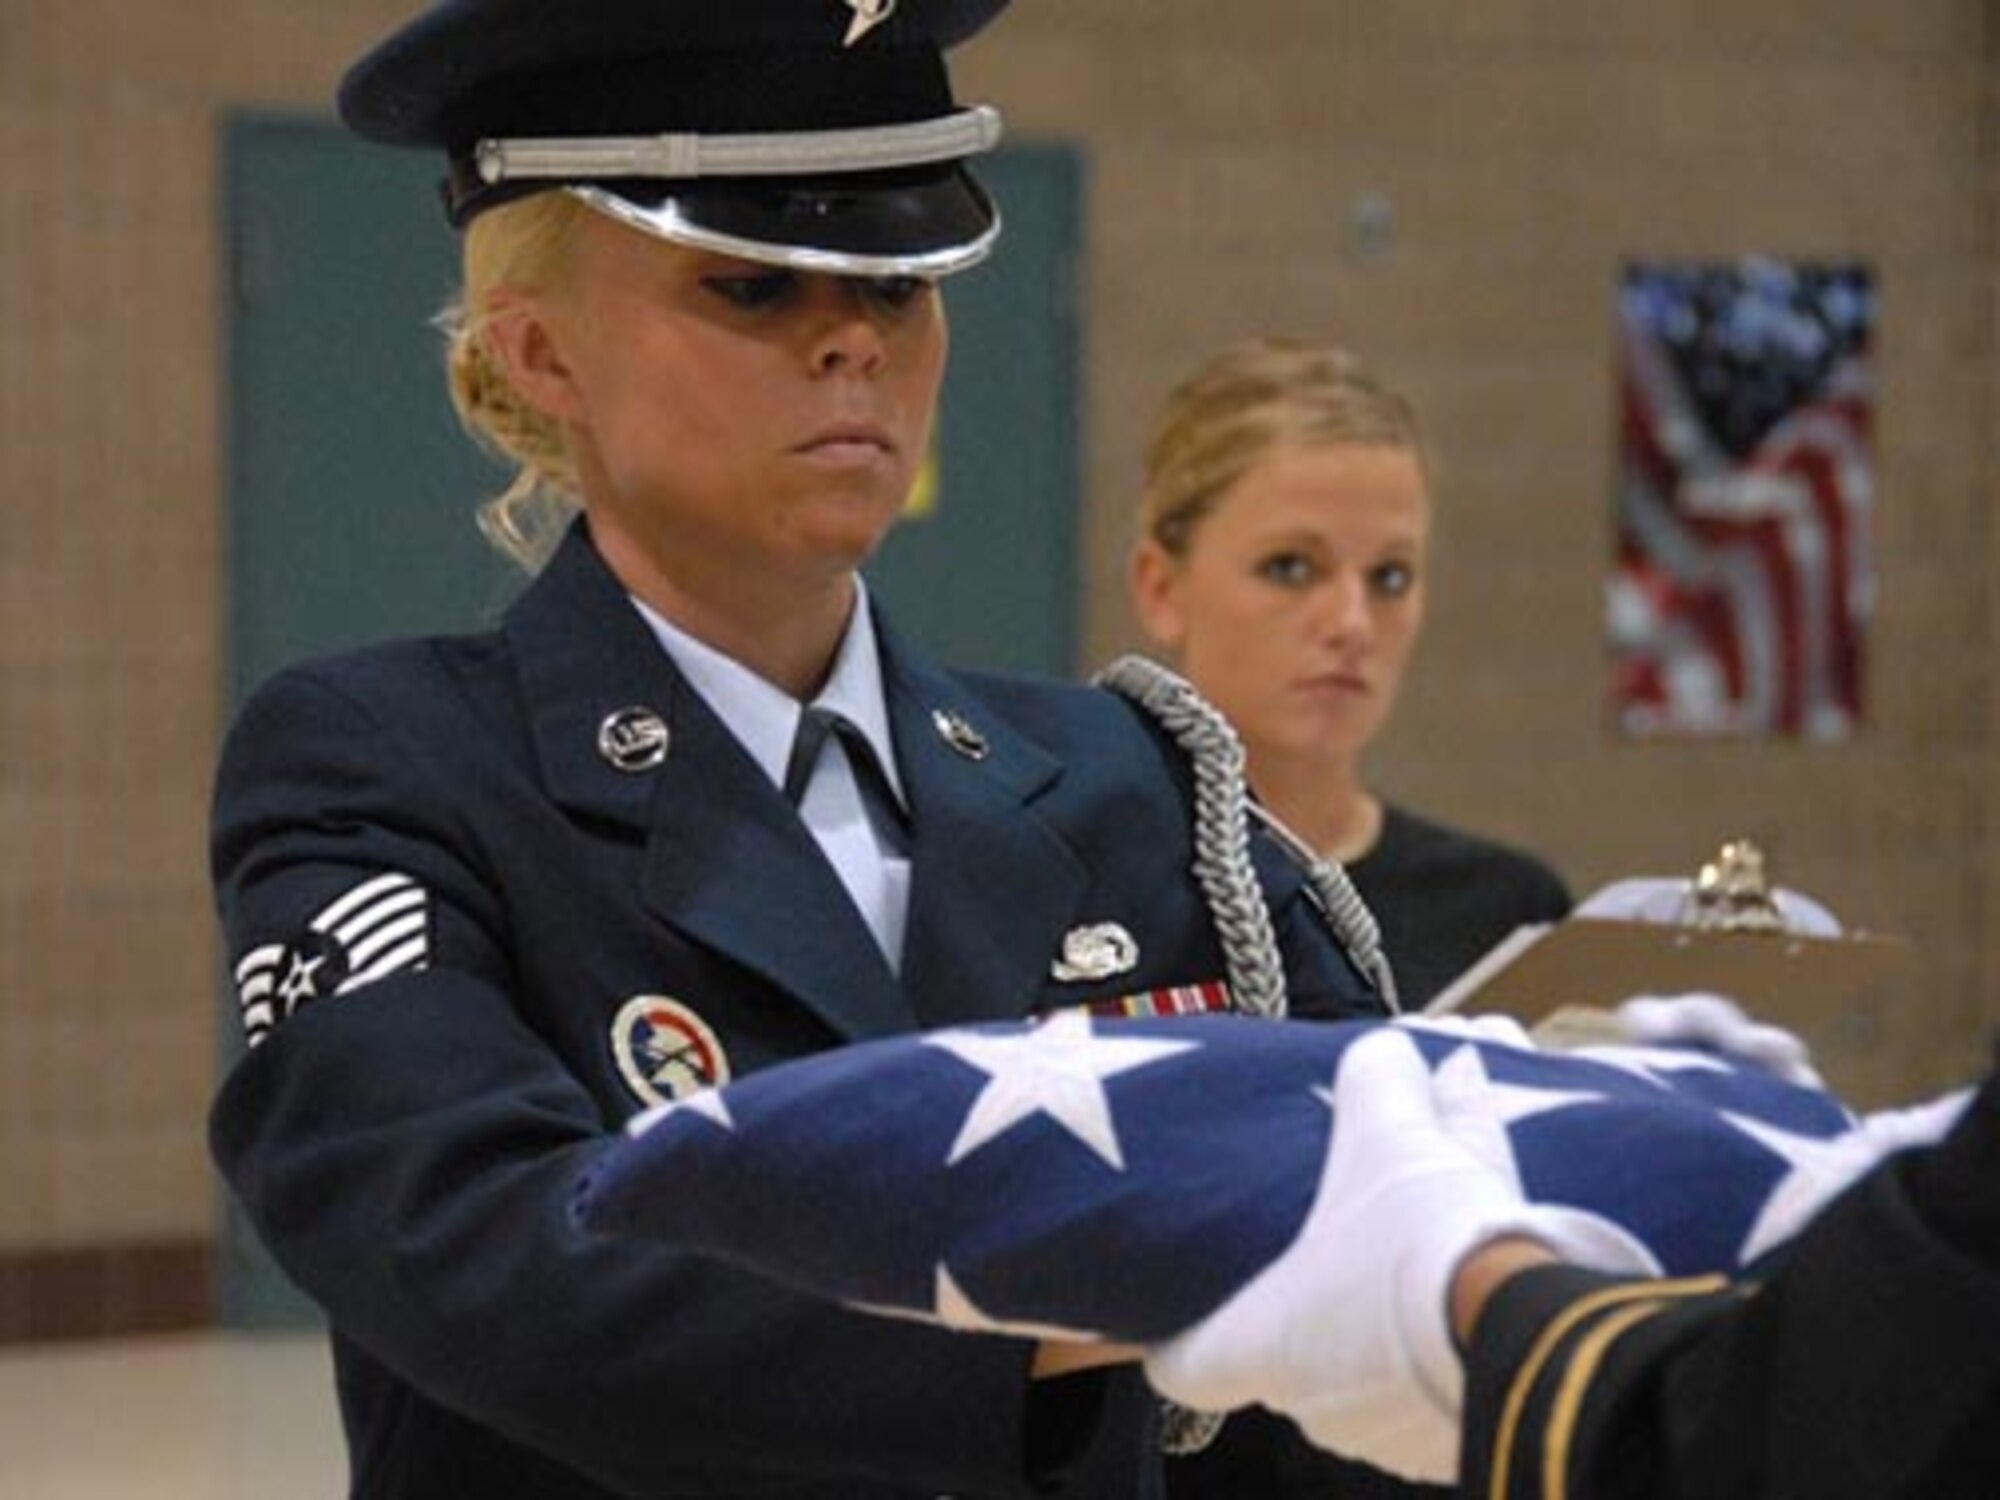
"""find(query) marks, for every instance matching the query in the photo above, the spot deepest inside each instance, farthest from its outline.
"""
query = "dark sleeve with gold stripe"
(1866, 1362)
(1559, 1376)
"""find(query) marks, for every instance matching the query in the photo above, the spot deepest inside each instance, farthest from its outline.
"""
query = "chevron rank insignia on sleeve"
(369, 932)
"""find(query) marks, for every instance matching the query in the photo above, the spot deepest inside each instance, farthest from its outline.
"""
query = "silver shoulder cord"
(1222, 812)
(1346, 913)
(1228, 880)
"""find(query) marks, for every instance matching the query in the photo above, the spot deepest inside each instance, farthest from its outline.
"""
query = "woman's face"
(1297, 600)
(732, 421)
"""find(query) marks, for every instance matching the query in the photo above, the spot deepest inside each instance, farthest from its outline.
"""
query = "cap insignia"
(868, 14)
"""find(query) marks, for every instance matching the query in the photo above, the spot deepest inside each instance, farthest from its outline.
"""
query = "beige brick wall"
(111, 468)
(1526, 147)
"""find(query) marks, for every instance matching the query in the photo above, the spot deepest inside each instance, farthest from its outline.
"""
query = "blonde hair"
(1244, 402)
(523, 246)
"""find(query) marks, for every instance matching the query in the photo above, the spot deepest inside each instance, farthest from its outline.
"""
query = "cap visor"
(880, 224)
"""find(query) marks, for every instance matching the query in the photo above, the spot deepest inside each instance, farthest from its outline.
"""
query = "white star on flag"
(1480, 1109)
(1057, 1069)
(1823, 1167)
(1820, 1168)
(709, 1104)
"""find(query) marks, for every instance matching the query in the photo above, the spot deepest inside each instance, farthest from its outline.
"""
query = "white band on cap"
(776, 154)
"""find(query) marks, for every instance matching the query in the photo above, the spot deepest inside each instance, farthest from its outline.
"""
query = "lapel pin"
(633, 739)
(1095, 952)
(953, 729)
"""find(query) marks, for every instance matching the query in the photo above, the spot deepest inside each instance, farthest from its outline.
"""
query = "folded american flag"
(1121, 1177)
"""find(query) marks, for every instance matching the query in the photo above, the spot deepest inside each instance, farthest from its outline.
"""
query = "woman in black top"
(1283, 562)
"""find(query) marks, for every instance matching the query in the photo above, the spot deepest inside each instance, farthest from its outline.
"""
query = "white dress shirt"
(872, 862)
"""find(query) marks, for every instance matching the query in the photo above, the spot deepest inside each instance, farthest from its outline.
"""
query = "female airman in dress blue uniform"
(488, 897)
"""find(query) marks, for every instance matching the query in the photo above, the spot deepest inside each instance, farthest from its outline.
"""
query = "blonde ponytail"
(519, 246)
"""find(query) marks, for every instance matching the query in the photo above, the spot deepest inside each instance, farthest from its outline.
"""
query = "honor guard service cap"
(816, 134)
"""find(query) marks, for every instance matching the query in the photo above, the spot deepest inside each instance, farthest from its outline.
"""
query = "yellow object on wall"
(924, 493)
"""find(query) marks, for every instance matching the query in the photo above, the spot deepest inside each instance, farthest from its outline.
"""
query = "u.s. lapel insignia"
(1099, 951)
(868, 14)
(954, 729)
(633, 739)
(665, 1051)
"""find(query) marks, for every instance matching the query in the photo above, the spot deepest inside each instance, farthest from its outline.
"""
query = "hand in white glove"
(1717, 1024)
(1346, 1332)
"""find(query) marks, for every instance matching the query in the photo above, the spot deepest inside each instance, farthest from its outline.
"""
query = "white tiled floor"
(221, 1416)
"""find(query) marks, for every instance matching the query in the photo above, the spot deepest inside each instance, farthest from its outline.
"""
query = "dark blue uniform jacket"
(407, 1147)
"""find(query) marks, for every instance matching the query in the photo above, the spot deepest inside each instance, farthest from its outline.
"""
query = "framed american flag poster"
(1743, 575)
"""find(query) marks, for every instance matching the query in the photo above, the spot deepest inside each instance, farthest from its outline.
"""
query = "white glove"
(1717, 1024)
(1346, 1332)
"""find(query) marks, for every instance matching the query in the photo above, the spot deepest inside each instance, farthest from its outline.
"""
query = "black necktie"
(815, 724)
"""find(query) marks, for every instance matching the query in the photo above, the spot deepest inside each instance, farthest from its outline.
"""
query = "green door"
(352, 488)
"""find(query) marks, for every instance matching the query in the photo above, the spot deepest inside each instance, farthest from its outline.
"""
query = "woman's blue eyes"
(1294, 570)
(1392, 579)
(769, 289)
(1286, 568)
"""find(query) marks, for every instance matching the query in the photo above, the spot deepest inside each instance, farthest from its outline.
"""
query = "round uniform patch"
(665, 1051)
